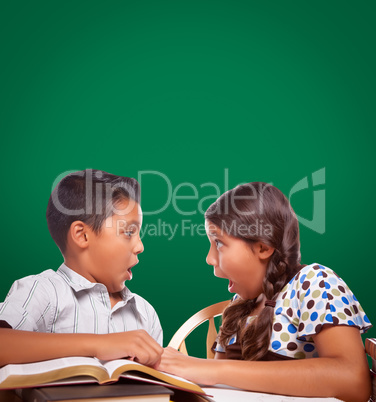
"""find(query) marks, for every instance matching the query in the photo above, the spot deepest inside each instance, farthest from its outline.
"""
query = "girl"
(290, 329)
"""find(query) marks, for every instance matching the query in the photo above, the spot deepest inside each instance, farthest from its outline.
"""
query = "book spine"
(32, 395)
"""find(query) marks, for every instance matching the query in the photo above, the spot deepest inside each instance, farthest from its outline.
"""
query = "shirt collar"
(77, 282)
(129, 297)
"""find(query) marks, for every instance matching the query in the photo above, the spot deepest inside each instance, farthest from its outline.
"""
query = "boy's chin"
(116, 295)
(116, 289)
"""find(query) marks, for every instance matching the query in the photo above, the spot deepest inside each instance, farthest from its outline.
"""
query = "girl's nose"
(211, 258)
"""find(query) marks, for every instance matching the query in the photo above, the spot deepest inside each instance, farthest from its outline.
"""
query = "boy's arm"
(28, 307)
(27, 346)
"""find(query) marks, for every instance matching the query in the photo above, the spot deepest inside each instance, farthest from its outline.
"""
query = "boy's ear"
(264, 251)
(78, 233)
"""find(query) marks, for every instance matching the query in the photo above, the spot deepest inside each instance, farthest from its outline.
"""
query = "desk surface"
(229, 395)
(219, 395)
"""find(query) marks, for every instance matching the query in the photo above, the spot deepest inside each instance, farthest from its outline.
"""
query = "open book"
(81, 370)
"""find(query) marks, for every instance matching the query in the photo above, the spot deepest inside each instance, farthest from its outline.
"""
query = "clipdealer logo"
(315, 185)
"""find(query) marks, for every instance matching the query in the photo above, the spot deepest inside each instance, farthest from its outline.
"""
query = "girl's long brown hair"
(268, 215)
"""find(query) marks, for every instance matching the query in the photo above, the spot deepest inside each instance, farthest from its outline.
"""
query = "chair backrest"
(371, 351)
(208, 313)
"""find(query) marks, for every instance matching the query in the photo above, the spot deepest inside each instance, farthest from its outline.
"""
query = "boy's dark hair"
(89, 196)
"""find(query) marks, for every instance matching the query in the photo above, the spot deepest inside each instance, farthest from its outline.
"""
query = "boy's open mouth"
(129, 270)
(130, 275)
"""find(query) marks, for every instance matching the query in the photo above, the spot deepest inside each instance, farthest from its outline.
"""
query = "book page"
(225, 394)
(113, 365)
(117, 368)
(45, 366)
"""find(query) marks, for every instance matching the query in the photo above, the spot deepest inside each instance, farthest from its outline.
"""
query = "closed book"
(96, 393)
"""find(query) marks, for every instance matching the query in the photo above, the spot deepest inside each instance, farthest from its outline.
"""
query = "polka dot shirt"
(315, 296)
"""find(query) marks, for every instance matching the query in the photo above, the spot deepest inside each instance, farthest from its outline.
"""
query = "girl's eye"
(218, 243)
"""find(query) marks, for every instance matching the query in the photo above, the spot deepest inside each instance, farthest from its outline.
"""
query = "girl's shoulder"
(315, 274)
(317, 293)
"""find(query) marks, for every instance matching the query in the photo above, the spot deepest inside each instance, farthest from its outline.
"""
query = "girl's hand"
(191, 368)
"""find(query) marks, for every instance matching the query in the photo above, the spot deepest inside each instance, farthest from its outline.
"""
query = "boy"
(84, 308)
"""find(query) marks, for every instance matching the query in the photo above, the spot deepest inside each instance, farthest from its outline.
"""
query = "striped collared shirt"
(65, 302)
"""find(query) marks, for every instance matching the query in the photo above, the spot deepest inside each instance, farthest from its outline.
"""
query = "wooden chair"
(371, 351)
(208, 313)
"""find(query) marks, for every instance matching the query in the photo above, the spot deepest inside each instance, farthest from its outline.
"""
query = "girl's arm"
(341, 371)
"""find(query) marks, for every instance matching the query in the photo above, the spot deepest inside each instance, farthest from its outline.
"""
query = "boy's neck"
(77, 266)
(115, 298)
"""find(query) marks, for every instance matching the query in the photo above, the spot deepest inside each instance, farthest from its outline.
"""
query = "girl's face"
(233, 259)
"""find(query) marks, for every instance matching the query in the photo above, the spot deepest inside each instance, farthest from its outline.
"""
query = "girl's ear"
(264, 251)
(79, 235)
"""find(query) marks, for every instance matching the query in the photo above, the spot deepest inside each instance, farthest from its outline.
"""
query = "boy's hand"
(136, 345)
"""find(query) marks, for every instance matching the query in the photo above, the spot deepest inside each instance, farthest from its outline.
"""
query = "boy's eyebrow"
(133, 223)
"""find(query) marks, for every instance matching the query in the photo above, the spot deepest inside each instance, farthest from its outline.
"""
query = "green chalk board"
(192, 98)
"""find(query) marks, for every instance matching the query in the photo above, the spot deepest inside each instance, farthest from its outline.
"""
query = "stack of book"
(371, 351)
(114, 392)
(76, 378)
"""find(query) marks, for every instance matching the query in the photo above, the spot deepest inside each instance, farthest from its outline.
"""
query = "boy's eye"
(131, 230)
(218, 243)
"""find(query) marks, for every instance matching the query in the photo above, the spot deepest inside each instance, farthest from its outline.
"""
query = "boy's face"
(113, 252)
